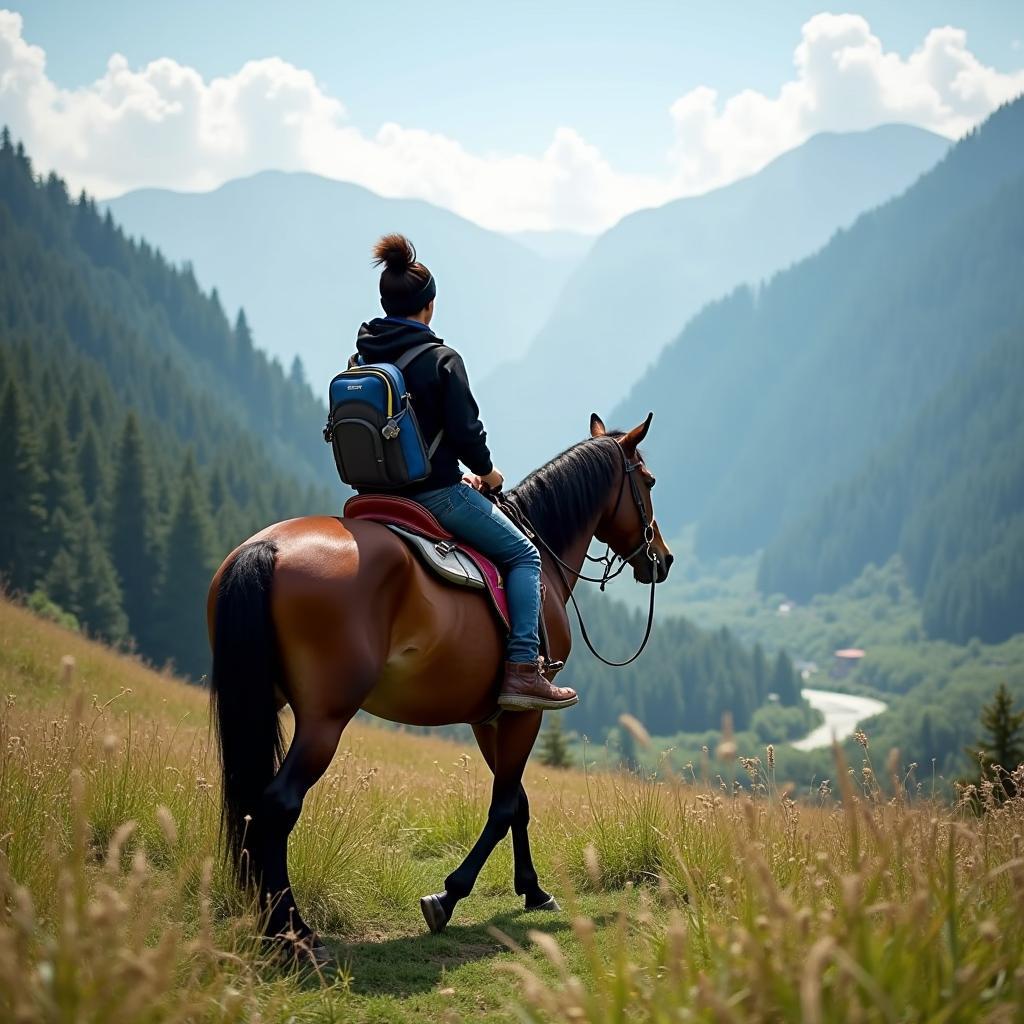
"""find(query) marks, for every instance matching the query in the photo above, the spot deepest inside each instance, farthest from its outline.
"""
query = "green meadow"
(681, 900)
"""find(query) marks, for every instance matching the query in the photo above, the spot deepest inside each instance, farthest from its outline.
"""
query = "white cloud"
(845, 81)
(165, 125)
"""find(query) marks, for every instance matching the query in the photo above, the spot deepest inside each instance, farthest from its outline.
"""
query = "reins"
(607, 559)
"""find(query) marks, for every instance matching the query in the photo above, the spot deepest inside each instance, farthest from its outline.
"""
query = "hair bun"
(396, 252)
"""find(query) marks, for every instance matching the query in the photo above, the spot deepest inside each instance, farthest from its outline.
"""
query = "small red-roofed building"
(846, 660)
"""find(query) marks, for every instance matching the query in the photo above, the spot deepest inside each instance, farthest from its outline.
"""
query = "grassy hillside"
(678, 896)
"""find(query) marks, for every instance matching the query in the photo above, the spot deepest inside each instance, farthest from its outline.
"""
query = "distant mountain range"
(644, 278)
(867, 401)
(294, 250)
(552, 325)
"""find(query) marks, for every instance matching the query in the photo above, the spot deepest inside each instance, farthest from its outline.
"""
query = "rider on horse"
(444, 403)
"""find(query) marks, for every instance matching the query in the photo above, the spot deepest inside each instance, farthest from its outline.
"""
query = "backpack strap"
(403, 362)
(410, 355)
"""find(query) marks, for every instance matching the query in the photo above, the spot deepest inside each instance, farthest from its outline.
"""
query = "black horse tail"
(246, 665)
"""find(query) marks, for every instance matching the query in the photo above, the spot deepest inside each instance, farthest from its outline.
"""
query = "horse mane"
(563, 494)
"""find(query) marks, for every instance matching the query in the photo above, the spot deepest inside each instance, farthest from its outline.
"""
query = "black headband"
(413, 303)
(424, 295)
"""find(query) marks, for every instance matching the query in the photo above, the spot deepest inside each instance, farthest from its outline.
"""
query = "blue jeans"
(482, 525)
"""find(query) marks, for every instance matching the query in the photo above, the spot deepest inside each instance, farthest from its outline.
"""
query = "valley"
(814, 771)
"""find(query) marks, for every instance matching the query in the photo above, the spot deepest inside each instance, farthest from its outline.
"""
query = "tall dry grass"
(875, 908)
(863, 905)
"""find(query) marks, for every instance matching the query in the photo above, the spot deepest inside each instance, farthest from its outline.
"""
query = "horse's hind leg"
(516, 734)
(312, 747)
(524, 876)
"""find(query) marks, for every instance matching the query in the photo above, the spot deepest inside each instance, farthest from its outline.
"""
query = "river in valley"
(842, 711)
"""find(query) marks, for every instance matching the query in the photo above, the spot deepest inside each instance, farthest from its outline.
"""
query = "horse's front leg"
(524, 877)
(516, 732)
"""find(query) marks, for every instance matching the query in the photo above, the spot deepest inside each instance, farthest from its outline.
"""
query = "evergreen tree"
(1003, 743)
(180, 633)
(22, 512)
(297, 374)
(784, 681)
(61, 580)
(132, 544)
(92, 469)
(759, 671)
(98, 597)
(61, 492)
(554, 750)
(243, 335)
(75, 415)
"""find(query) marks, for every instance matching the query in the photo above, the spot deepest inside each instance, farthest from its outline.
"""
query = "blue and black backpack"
(372, 426)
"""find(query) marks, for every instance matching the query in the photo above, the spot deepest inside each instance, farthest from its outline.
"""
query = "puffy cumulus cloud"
(845, 81)
(164, 125)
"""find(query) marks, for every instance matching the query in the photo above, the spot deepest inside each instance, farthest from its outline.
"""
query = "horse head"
(627, 523)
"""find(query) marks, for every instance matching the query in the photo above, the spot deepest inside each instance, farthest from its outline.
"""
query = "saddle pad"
(461, 565)
(447, 560)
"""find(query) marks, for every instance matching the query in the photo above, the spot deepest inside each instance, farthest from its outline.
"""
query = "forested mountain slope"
(685, 680)
(645, 277)
(294, 250)
(947, 495)
(143, 435)
(186, 332)
(769, 398)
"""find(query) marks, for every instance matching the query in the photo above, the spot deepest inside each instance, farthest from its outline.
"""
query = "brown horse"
(332, 615)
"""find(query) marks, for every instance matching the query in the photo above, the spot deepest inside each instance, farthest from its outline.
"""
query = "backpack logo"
(354, 387)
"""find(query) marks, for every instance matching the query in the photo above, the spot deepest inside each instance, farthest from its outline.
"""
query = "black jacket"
(441, 397)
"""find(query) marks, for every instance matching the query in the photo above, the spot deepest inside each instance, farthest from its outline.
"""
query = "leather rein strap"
(607, 559)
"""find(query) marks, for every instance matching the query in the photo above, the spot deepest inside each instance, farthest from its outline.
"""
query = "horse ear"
(597, 428)
(632, 440)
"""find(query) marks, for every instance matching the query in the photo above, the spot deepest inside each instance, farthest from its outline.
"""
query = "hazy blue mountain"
(293, 249)
(566, 248)
(771, 398)
(644, 278)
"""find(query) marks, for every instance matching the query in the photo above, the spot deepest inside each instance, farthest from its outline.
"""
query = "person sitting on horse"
(438, 382)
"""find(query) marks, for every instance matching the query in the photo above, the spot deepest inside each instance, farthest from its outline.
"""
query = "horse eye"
(651, 482)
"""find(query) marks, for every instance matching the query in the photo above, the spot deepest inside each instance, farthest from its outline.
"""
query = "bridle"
(608, 559)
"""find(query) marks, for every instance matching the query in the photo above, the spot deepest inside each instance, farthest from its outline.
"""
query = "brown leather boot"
(525, 688)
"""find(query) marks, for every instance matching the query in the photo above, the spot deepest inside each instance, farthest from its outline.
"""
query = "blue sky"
(501, 79)
(486, 72)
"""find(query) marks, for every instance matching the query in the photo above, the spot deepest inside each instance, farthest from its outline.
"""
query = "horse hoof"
(317, 955)
(295, 952)
(433, 913)
(550, 904)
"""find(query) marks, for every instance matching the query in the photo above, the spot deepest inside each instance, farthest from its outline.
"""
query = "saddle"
(437, 549)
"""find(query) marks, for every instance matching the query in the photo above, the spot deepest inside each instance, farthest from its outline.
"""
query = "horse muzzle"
(646, 570)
